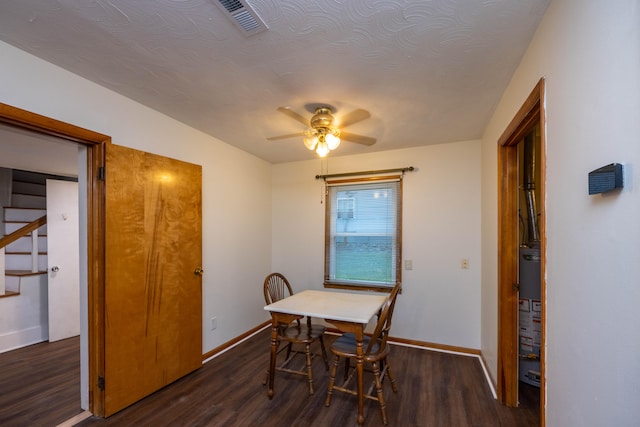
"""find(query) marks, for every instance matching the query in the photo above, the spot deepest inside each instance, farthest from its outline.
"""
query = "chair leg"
(394, 387)
(347, 366)
(324, 355)
(288, 351)
(383, 405)
(309, 368)
(332, 380)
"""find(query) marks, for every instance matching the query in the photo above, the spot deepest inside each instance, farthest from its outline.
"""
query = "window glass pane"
(363, 226)
(364, 258)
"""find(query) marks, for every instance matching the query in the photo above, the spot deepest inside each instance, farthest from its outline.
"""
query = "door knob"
(55, 268)
(199, 271)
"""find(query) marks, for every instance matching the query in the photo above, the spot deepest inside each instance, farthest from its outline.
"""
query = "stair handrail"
(34, 225)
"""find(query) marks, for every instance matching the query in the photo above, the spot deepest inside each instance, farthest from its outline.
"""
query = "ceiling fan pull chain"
(323, 187)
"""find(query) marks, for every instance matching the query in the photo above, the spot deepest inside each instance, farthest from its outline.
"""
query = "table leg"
(272, 360)
(360, 374)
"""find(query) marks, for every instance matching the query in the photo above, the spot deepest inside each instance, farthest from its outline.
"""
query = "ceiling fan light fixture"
(310, 142)
(332, 140)
(323, 148)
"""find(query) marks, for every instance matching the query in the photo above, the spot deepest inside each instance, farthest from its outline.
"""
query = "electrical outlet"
(214, 323)
(464, 264)
(408, 264)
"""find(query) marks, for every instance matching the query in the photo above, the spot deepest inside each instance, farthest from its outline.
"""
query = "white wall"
(589, 53)
(24, 320)
(440, 302)
(26, 150)
(236, 186)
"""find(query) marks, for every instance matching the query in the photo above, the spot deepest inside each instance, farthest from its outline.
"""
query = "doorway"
(47, 308)
(530, 115)
(91, 145)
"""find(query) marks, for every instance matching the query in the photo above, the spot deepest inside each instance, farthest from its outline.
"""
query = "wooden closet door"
(153, 294)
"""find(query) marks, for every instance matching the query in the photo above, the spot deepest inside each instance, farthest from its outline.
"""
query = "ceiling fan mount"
(322, 118)
(322, 135)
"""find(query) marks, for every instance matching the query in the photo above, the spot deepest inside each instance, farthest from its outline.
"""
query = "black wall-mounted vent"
(606, 178)
(243, 16)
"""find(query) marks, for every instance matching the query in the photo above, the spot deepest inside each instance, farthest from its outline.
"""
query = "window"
(363, 248)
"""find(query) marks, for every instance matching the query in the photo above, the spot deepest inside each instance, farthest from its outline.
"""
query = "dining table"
(347, 311)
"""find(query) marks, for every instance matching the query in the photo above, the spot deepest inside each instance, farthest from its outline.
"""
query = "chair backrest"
(393, 295)
(276, 287)
(381, 333)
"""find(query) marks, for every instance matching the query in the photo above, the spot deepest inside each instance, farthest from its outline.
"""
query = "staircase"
(28, 203)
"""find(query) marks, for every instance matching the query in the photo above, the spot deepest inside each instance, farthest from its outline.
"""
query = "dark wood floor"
(40, 384)
(435, 389)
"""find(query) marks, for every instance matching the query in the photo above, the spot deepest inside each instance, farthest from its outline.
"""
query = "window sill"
(356, 286)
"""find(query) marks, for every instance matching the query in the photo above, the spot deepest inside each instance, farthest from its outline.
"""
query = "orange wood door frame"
(94, 142)
(530, 114)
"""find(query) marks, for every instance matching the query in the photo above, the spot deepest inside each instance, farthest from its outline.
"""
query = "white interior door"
(63, 259)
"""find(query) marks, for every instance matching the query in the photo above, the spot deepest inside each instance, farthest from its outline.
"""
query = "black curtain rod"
(337, 175)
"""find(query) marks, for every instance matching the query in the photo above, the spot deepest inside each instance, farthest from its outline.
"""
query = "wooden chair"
(277, 287)
(376, 351)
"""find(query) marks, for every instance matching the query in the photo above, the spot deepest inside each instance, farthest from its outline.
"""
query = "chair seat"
(302, 333)
(346, 345)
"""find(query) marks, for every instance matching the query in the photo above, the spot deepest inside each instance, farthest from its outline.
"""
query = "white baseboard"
(17, 339)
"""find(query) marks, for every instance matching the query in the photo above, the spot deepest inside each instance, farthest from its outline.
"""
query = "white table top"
(348, 307)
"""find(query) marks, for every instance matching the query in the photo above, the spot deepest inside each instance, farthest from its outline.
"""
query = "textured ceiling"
(428, 71)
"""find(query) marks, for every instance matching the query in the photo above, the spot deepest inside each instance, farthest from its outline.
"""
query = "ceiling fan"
(322, 135)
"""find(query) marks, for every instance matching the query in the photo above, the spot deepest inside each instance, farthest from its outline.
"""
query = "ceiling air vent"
(243, 16)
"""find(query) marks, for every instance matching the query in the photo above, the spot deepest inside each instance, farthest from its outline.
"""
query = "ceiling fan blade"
(354, 117)
(295, 116)
(358, 139)
(290, 135)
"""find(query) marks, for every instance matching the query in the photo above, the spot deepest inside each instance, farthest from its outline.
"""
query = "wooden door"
(153, 297)
(63, 259)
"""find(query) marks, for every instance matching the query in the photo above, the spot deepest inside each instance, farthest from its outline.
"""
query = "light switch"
(408, 264)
